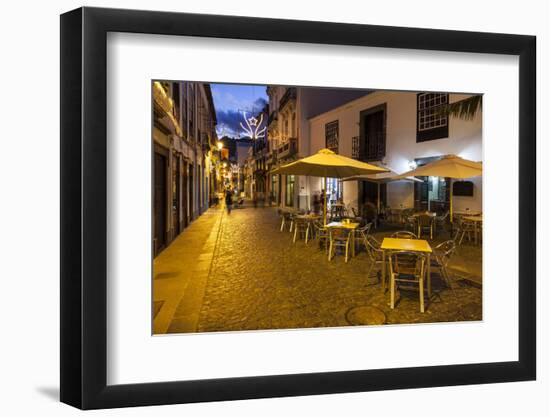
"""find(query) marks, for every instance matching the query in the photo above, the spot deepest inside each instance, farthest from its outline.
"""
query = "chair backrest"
(364, 231)
(404, 234)
(407, 262)
(444, 216)
(425, 219)
(339, 232)
(373, 248)
(445, 250)
(319, 226)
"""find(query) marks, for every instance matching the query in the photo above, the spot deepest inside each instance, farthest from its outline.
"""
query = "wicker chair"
(339, 237)
(403, 272)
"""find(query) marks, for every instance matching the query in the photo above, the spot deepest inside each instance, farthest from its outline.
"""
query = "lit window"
(430, 124)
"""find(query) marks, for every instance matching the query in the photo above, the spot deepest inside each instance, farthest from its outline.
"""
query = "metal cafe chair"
(301, 228)
(285, 218)
(442, 255)
(465, 228)
(402, 272)
(441, 221)
(322, 233)
(339, 237)
(361, 234)
(376, 256)
(425, 222)
(410, 222)
(404, 234)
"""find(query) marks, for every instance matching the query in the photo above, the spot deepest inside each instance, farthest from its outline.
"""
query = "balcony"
(288, 97)
(164, 108)
(355, 148)
(272, 117)
(287, 149)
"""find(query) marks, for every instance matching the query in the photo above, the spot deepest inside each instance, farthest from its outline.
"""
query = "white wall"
(401, 146)
(30, 244)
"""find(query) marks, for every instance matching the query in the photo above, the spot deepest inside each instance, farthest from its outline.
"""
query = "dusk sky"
(230, 100)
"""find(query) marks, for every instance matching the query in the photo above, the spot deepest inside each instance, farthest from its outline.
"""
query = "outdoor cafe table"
(349, 226)
(466, 212)
(411, 245)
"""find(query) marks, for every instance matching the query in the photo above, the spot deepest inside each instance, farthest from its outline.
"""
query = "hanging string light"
(253, 128)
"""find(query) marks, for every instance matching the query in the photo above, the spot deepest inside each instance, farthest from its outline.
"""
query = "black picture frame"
(84, 207)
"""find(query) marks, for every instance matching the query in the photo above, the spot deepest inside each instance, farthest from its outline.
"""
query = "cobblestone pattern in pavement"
(260, 280)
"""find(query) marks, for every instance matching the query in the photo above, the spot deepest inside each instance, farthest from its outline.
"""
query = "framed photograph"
(257, 208)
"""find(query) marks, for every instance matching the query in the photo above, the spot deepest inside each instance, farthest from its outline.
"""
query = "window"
(372, 139)
(191, 109)
(184, 106)
(289, 197)
(429, 124)
(176, 95)
(331, 136)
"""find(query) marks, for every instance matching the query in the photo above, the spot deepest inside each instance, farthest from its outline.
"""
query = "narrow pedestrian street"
(240, 272)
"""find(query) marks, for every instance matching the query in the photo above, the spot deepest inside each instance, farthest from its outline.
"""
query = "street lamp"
(220, 145)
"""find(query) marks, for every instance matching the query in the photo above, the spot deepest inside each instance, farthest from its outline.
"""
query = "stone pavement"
(180, 273)
(239, 272)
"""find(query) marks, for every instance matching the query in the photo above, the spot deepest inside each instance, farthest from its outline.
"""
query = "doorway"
(372, 142)
(433, 193)
(159, 198)
(175, 197)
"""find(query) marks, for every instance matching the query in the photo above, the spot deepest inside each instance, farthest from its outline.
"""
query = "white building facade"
(398, 130)
(288, 135)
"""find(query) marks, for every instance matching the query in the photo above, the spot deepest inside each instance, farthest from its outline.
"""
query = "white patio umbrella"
(381, 178)
(450, 166)
(327, 164)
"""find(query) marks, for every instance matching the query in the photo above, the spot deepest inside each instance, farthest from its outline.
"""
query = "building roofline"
(374, 93)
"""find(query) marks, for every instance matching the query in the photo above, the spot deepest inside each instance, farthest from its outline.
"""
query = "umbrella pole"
(325, 203)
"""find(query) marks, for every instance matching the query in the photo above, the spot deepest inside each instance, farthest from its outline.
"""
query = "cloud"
(228, 122)
(259, 103)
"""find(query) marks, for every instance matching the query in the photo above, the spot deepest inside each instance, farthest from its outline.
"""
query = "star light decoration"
(253, 128)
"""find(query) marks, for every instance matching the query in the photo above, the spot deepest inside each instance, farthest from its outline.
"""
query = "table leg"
(383, 271)
(353, 243)
(429, 276)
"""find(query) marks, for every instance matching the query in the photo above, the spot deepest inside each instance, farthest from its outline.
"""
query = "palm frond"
(463, 109)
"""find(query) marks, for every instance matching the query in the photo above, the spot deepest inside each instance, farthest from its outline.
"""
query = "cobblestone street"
(244, 274)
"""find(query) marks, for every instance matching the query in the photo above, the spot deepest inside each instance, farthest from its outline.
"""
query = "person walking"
(228, 200)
